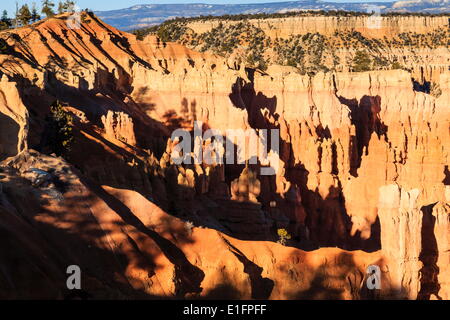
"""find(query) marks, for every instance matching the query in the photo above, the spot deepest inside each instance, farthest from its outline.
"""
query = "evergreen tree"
(5, 22)
(61, 7)
(34, 14)
(361, 61)
(59, 130)
(47, 6)
(70, 5)
(66, 6)
(4, 16)
(24, 15)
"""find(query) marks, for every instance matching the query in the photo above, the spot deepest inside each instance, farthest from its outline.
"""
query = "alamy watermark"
(211, 147)
(74, 20)
(374, 20)
(74, 279)
(374, 279)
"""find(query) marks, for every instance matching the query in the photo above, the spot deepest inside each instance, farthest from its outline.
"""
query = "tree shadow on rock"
(261, 287)
(429, 254)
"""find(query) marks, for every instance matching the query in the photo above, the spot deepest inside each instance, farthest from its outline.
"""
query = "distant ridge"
(147, 15)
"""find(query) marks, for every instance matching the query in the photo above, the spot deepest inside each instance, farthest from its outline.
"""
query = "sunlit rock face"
(363, 179)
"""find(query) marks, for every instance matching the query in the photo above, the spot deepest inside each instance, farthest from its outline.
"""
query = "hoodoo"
(363, 158)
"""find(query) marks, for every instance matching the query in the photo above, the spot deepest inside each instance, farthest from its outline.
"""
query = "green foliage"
(140, 34)
(396, 65)
(59, 129)
(170, 32)
(5, 22)
(221, 40)
(166, 31)
(256, 61)
(4, 16)
(379, 63)
(66, 6)
(283, 236)
(85, 17)
(34, 14)
(361, 61)
(306, 52)
(435, 90)
(309, 53)
(47, 8)
(303, 13)
(61, 7)
(24, 15)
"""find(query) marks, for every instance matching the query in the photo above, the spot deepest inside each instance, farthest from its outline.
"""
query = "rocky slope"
(364, 175)
(314, 42)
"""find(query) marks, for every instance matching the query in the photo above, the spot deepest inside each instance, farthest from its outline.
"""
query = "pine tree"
(66, 6)
(5, 22)
(59, 129)
(4, 16)
(47, 6)
(70, 5)
(61, 7)
(24, 15)
(34, 14)
(361, 61)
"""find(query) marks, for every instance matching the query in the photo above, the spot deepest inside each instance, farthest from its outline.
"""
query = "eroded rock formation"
(364, 171)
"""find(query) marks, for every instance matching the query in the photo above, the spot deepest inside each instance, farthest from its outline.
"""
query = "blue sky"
(103, 5)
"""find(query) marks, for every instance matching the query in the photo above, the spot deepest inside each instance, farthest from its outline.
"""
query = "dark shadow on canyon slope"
(424, 86)
(261, 287)
(345, 280)
(142, 100)
(224, 290)
(35, 254)
(189, 276)
(364, 115)
(93, 165)
(56, 239)
(88, 239)
(330, 225)
(429, 283)
(109, 95)
(446, 180)
(94, 105)
(327, 219)
(9, 132)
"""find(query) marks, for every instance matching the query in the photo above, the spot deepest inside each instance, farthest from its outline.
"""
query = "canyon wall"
(364, 163)
(127, 247)
(352, 135)
(324, 43)
(376, 27)
(13, 120)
